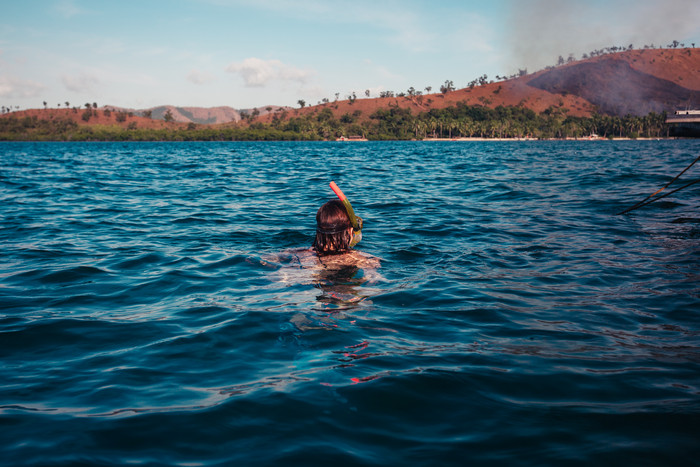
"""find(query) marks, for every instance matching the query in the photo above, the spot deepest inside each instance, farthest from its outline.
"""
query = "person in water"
(331, 264)
(338, 230)
(336, 236)
(342, 269)
(334, 231)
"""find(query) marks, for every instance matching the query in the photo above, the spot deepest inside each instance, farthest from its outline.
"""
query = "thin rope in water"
(645, 201)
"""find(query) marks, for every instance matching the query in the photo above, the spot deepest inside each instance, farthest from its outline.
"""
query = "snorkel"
(355, 221)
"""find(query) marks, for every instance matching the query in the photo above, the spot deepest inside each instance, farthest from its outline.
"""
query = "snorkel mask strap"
(355, 221)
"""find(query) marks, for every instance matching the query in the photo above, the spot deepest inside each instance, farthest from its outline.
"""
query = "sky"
(254, 53)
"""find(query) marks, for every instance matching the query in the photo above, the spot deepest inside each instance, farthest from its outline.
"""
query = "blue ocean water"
(145, 317)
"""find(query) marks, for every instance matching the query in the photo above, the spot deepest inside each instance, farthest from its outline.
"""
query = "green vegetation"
(393, 123)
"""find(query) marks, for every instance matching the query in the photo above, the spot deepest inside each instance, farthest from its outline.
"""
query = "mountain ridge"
(197, 115)
(571, 88)
(633, 82)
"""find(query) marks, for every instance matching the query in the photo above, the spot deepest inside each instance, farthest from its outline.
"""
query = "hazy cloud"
(83, 82)
(14, 87)
(199, 77)
(257, 72)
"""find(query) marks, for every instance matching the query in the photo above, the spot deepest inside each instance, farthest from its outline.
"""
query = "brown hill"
(106, 117)
(199, 115)
(630, 83)
(635, 81)
(515, 92)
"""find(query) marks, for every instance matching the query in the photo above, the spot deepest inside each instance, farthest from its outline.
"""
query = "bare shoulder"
(307, 258)
(351, 258)
(304, 266)
(367, 260)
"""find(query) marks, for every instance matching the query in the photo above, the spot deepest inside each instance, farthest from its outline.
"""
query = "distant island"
(611, 93)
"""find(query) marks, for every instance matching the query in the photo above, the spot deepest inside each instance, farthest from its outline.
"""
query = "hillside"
(133, 118)
(635, 82)
(96, 117)
(198, 115)
(632, 82)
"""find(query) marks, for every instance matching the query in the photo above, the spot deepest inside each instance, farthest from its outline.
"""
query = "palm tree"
(418, 126)
(442, 121)
(452, 125)
(433, 124)
(470, 126)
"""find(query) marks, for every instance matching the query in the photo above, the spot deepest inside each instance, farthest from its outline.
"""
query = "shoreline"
(429, 140)
(475, 139)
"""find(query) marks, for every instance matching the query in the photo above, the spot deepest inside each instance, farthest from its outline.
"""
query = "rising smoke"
(542, 30)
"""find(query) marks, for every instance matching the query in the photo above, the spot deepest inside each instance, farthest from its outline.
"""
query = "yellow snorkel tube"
(355, 221)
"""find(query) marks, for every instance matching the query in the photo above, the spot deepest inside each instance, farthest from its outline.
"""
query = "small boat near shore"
(351, 138)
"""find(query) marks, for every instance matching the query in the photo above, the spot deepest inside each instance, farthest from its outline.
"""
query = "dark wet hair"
(332, 224)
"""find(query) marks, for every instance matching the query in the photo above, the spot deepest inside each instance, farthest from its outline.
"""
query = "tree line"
(393, 123)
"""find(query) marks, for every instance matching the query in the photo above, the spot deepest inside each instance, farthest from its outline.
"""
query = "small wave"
(199, 220)
(144, 259)
(83, 274)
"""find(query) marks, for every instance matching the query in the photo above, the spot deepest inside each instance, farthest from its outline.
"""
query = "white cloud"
(82, 82)
(14, 87)
(199, 77)
(257, 72)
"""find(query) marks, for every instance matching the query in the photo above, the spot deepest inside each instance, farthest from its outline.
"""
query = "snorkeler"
(338, 229)
(331, 264)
